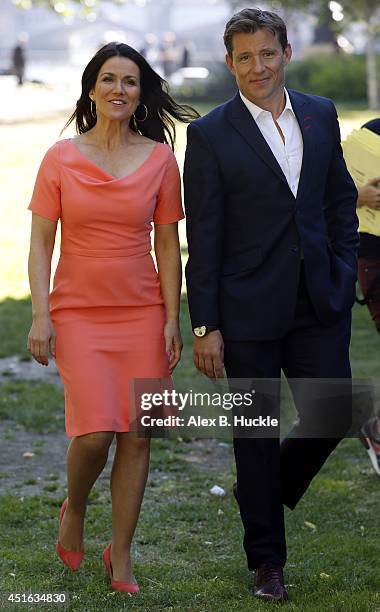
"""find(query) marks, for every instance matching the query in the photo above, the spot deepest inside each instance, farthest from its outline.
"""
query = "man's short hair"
(250, 20)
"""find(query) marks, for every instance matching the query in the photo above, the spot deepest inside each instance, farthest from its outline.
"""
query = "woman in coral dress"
(110, 318)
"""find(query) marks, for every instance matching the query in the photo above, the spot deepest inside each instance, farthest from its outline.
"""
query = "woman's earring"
(146, 114)
(135, 124)
(93, 109)
(136, 119)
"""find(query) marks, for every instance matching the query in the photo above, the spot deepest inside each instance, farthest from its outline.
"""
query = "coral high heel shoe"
(71, 558)
(118, 585)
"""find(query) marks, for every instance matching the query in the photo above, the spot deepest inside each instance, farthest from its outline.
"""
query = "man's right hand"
(208, 355)
(369, 194)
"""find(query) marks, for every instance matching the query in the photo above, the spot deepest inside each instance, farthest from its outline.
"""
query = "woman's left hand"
(173, 344)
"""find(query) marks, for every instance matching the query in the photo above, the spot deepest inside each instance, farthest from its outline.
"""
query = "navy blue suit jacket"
(246, 231)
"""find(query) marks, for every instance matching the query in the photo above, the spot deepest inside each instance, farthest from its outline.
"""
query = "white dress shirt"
(289, 153)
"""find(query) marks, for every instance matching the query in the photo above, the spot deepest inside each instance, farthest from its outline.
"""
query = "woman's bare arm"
(41, 337)
(166, 246)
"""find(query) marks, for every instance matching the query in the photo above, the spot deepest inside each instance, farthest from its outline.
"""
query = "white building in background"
(60, 43)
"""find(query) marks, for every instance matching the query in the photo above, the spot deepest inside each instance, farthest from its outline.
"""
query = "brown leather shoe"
(269, 583)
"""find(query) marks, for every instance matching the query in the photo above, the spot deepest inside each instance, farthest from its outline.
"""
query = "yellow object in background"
(362, 155)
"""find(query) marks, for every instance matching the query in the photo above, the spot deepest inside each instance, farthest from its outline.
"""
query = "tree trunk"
(372, 76)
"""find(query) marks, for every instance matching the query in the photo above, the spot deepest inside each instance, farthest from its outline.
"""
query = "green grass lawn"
(188, 544)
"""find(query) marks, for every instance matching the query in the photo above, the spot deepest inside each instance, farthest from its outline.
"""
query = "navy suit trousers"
(269, 473)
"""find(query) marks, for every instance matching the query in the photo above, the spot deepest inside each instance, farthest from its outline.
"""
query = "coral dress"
(106, 303)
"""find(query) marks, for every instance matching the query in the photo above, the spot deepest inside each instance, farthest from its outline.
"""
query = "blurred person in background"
(169, 52)
(369, 280)
(111, 317)
(19, 59)
(186, 55)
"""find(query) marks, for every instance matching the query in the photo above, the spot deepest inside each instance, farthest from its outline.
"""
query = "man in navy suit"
(272, 235)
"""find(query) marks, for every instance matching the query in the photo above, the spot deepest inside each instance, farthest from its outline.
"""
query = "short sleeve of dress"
(169, 205)
(46, 198)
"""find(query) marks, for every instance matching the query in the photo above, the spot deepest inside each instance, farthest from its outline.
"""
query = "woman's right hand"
(41, 339)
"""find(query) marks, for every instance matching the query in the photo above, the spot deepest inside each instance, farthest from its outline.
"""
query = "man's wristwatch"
(203, 330)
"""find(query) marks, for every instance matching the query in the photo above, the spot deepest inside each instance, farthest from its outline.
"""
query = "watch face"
(200, 331)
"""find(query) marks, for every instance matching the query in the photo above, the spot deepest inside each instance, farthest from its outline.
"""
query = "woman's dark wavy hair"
(162, 109)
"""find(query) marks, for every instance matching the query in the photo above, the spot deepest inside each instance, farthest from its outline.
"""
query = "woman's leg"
(128, 478)
(86, 458)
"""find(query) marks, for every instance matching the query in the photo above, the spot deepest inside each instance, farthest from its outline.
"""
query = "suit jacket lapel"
(241, 119)
(301, 107)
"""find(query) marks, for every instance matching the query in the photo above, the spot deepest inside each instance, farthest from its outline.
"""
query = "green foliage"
(35, 405)
(63, 8)
(220, 85)
(15, 321)
(352, 9)
(340, 77)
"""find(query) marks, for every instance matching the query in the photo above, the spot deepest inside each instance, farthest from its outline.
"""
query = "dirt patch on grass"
(31, 463)
(34, 464)
(12, 368)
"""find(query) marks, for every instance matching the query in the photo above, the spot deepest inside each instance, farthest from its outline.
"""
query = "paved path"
(12, 367)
